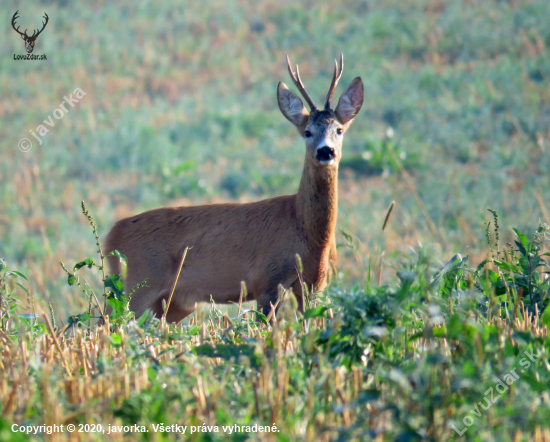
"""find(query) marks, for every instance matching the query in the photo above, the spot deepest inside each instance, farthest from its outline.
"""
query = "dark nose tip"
(325, 153)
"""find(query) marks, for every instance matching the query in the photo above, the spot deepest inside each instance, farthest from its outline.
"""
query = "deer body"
(254, 242)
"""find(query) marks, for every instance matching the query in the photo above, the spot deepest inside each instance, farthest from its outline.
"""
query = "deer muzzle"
(325, 155)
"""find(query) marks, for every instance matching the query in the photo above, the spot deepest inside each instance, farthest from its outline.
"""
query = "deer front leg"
(271, 298)
(266, 301)
(298, 294)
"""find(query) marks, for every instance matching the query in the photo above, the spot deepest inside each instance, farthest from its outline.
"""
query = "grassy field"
(180, 108)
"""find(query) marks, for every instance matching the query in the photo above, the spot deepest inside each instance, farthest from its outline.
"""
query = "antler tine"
(298, 82)
(13, 20)
(43, 24)
(335, 80)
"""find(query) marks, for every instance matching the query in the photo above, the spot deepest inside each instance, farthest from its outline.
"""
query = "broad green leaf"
(76, 319)
(482, 264)
(521, 248)
(116, 339)
(16, 273)
(87, 262)
(415, 336)
(260, 316)
(316, 312)
(117, 304)
(24, 289)
(505, 265)
(147, 314)
(123, 259)
(521, 237)
(114, 282)
(193, 330)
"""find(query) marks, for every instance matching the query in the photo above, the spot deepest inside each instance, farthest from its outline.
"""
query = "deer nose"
(325, 153)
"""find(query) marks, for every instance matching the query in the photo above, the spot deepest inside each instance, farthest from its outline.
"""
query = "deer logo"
(29, 40)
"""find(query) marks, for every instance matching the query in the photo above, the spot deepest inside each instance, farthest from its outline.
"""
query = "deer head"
(323, 130)
(29, 40)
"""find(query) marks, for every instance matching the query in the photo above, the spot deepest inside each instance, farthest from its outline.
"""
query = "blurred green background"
(180, 108)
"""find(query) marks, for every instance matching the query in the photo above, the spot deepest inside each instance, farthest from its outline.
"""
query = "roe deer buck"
(254, 242)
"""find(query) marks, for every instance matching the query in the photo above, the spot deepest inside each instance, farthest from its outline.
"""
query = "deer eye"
(307, 134)
(339, 131)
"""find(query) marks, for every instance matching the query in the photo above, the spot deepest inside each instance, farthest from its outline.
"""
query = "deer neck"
(317, 204)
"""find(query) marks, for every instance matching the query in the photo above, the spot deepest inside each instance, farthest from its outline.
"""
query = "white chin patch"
(327, 162)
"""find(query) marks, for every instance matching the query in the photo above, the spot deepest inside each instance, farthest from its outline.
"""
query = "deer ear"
(22, 36)
(291, 106)
(350, 102)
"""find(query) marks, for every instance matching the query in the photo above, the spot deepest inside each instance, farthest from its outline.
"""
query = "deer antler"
(298, 82)
(335, 80)
(34, 34)
(14, 18)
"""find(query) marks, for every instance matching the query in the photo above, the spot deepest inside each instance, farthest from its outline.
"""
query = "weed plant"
(402, 361)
